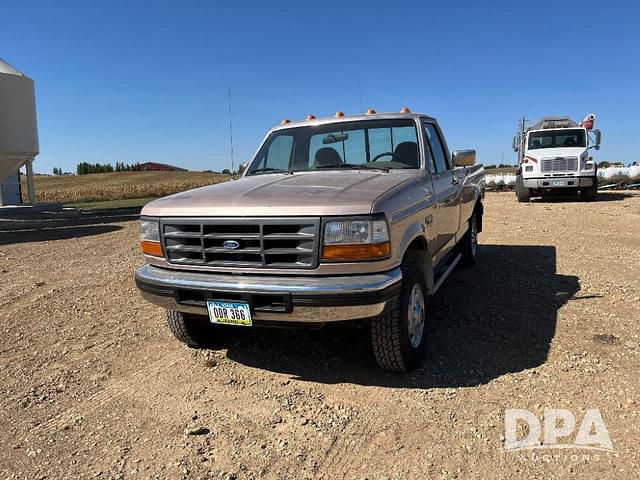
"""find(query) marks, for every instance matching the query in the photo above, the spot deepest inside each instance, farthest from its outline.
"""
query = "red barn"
(160, 167)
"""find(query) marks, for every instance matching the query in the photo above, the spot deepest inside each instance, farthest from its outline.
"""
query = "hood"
(557, 152)
(344, 192)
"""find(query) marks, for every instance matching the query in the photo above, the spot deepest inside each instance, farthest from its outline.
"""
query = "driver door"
(446, 185)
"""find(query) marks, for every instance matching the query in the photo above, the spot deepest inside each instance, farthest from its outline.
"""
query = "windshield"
(367, 144)
(557, 138)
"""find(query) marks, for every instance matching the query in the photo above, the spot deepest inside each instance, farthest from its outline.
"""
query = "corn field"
(118, 185)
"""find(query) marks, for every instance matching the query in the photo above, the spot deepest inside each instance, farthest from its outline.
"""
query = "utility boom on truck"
(553, 157)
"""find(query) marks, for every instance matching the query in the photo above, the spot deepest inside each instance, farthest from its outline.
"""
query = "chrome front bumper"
(273, 298)
(558, 182)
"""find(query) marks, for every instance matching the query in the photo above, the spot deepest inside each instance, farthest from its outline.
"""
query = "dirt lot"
(92, 384)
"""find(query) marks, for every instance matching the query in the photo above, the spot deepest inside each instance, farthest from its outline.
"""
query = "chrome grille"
(250, 242)
(559, 164)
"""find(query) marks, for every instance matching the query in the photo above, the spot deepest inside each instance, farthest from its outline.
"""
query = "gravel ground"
(92, 385)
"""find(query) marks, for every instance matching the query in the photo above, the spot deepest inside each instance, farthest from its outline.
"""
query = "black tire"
(589, 194)
(194, 330)
(469, 244)
(392, 346)
(522, 194)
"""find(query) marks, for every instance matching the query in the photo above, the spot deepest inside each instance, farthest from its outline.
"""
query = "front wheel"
(523, 194)
(399, 334)
(589, 194)
(194, 330)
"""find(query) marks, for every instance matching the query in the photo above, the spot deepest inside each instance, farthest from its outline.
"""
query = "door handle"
(455, 181)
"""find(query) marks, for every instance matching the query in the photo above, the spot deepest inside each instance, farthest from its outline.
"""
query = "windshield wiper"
(353, 167)
(271, 170)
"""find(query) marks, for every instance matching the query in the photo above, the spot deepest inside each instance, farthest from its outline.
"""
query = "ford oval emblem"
(231, 244)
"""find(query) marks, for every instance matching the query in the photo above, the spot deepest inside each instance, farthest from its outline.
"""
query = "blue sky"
(148, 80)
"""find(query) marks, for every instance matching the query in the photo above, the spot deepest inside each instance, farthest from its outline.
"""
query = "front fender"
(415, 238)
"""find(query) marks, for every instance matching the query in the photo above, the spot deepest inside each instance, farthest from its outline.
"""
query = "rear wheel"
(589, 194)
(399, 334)
(469, 244)
(522, 193)
(194, 330)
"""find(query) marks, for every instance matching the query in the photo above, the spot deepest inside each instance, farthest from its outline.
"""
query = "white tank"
(606, 173)
(490, 180)
(634, 172)
(510, 180)
(18, 125)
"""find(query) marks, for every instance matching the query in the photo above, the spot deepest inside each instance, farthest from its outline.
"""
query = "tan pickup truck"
(343, 218)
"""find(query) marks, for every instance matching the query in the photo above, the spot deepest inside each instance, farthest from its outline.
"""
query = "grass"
(107, 187)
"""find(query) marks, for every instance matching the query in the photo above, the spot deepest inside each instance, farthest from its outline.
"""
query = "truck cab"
(554, 157)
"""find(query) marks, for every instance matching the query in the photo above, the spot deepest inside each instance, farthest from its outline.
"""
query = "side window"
(437, 149)
(279, 153)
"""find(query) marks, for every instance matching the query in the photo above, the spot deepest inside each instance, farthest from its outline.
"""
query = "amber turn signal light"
(151, 248)
(355, 252)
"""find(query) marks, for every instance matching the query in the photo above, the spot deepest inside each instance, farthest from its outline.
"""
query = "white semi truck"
(553, 157)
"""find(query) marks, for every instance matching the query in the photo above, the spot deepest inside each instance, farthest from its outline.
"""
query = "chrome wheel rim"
(416, 313)
(474, 238)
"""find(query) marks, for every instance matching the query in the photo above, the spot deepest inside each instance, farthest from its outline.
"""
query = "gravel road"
(92, 385)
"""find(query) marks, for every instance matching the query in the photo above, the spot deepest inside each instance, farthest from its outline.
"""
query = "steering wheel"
(382, 155)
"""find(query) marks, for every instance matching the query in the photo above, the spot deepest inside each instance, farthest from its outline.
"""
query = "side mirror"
(463, 158)
(515, 144)
(598, 136)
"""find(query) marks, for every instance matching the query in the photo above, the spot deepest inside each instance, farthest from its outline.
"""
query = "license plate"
(229, 313)
(558, 183)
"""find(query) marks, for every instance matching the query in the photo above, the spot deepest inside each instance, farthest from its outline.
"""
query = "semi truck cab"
(554, 157)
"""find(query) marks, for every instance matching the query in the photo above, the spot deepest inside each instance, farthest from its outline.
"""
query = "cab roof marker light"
(285, 121)
(339, 114)
(371, 111)
(311, 117)
(405, 110)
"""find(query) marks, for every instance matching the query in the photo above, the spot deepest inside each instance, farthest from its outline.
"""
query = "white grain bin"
(18, 125)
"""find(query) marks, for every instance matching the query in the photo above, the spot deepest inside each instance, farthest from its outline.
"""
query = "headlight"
(150, 237)
(588, 165)
(356, 238)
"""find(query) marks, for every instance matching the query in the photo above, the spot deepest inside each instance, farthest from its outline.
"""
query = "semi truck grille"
(559, 164)
(247, 242)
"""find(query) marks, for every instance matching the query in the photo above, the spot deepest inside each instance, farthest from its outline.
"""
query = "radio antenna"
(230, 131)
(359, 91)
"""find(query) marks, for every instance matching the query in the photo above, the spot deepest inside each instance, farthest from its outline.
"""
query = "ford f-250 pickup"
(344, 218)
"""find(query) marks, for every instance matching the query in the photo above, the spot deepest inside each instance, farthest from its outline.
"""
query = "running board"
(446, 273)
